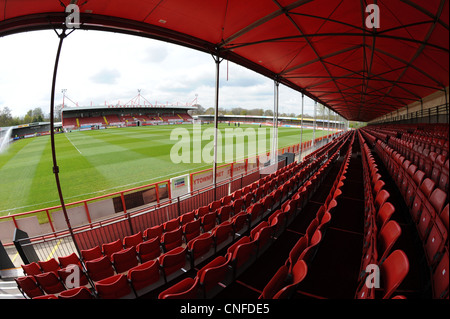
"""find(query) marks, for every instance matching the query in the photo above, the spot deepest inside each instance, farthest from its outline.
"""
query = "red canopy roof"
(323, 48)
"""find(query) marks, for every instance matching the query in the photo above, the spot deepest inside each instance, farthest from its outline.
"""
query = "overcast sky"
(99, 66)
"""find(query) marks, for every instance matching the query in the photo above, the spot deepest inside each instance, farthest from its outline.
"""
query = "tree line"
(32, 116)
(253, 112)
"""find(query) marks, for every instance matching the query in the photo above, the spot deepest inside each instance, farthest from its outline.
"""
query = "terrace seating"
(107, 271)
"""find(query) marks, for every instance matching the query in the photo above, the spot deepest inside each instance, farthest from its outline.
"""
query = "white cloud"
(98, 67)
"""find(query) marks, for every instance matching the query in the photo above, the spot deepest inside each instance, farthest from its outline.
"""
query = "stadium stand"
(177, 248)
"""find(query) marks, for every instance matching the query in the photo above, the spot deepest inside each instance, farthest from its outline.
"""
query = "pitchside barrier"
(105, 218)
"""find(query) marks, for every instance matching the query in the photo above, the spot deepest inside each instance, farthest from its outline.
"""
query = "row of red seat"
(422, 131)
(243, 253)
(289, 276)
(429, 212)
(429, 154)
(381, 233)
(104, 265)
(119, 256)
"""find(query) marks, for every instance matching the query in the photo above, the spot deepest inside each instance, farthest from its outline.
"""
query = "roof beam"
(262, 21)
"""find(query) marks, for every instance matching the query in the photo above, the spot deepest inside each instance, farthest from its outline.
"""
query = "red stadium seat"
(28, 286)
(171, 225)
(114, 287)
(438, 199)
(311, 230)
(125, 259)
(110, 248)
(186, 218)
(238, 206)
(255, 213)
(298, 273)
(215, 205)
(242, 254)
(71, 259)
(172, 239)
(425, 221)
(31, 269)
(226, 200)
(393, 271)
(145, 277)
(387, 237)
(296, 251)
(381, 198)
(154, 232)
(440, 279)
(202, 211)
(72, 276)
(412, 187)
(224, 213)
(444, 216)
(212, 274)
(149, 250)
(200, 248)
(284, 282)
(262, 234)
(186, 289)
(191, 230)
(240, 223)
(133, 240)
(92, 253)
(435, 242)
(223, 235)
(50, 283)
(308, 254)
(443, 180)
(209, 221)
(384, 214)
(50, 265)
(174, 262)
(100, 268)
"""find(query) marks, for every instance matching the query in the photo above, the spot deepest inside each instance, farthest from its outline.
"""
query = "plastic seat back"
(31, 269)
(114, 287)
(149, 250)
(393, 272)
(28, 286)
(185, 289)
(110, 248)
(213, 273)
(387, 237)
(50, 283)
(124, 260)
(133, 240)
(154, 232)
(191, 230)
(440, 279)
(100, 268)
(172, 239)
(144, 275)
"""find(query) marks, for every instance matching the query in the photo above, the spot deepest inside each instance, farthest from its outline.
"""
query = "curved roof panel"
(322, 48)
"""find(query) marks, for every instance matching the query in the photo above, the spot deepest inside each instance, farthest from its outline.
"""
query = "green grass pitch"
(94, 163)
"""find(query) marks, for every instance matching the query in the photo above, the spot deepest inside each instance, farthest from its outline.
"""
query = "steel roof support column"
(301, 128)
(328, 126)
(61, 36)
(217, 60)
(314, 127)
(274, 152)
